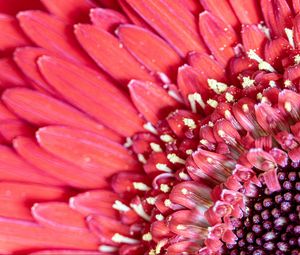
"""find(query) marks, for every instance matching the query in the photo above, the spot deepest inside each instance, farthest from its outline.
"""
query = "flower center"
(271, 222)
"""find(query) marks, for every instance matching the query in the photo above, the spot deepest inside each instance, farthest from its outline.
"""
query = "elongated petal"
(68, 173)
(13, 168)
(10, 129)
(17, 198)
(5, 114)
(151, 100)
(253, 39)
(107, 19)
(19, 235)
(149, 49)
(59, 216)
(27, 104)
(72, 11)
(10, 75)
(90, 151)
(11, 35)
(218, 36)
(109, 54)
(25, 58)
(95, 202)
(90, 92)
(51, 33)
(247, 11)
(167, 22)
(221, 9)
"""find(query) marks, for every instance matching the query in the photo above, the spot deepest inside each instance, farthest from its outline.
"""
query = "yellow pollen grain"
(213, 103)
(217, 87)
(167, 138)
(190, 123)
(247, 82)
(155, 147)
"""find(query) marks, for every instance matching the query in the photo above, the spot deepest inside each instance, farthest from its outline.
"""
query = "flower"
(154, 130)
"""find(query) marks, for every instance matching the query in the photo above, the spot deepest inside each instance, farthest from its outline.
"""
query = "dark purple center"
(272, 223)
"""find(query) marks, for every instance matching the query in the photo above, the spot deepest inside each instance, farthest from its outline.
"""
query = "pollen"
(148, 126)
(229, 97)
(140, 186)
(173, 158)
(163, 167)
(118, 205)
(247, 82)
(165, 188)
(196, 98)
(297, 59)
(290, 35)
(288, 106)
(167, 138)
(156, 147)
(213, 103)
(118, 238)
(147, 237)
(217, 87)
(190, 123)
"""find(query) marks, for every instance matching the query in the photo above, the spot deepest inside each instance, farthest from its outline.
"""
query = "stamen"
(141, 186)
(288, 106)
(138, 208)
(151, 200)
(118, 238)
(287, 83)
(128, 142)
(167, 203)
(217, 87)
(290, 36)
(262, 65)
(190, 123)
(189, 152)
(265, 30)
(247, 82)
(107, 248)
(196, 98)
(156, 147)
(297, 59)
(118, 205)
(272, 84)
(165, 188)
(229, 97)
(159, 217)
(173, 158)
(183, 176)
(148, 126)
(141, 158)
(147, 237)
(184, 191)
(163, 167)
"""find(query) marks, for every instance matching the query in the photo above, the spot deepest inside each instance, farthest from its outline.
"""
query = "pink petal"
(17, 198)
(218, 36)
(247, 11)
(5, 114)
(277, 15)
(72, 10)
(67, 172)
(165, 18)
(149, 49)
(95, 202)
(19, 235)
(13, 168)
(107, 19)
(10, 129)
(207, 66)
(26, 58)
(87, 150)
(27, 104)
(10, 75)
(51, 33)
(59, 216)
(271, 180)
(253, 39)
(14, 6)
(222, 10)
(89, 91)
(110, 54)
(261, 160)
(11, 34)
(296, 5)
(151, 100)
(66, 252)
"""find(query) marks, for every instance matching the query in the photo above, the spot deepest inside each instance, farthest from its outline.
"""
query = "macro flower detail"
(150, 127)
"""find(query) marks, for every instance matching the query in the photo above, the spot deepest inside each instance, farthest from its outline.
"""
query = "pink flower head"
(150, 127)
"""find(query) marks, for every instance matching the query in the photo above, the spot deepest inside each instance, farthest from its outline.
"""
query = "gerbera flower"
(150, 127)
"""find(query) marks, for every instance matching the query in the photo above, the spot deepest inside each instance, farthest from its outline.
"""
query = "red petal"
(51, 33)
(109, 54)
(66, 172)
(14, 6)
(5, 114)
(89, 91)
(247, 11)
(277, 15)
(296, 29)
(296, 5)
(11, 34)
(149, 49)
(26, 60)
(18, 236)
(17, 198)
(95, 202)
(207, 66)
(151, 100)
(221, 9)
(10, 129)
(72, 10)
(193, 5)
(218, 36)
(261, 159)
(271, 180)
(10, 75)
(165, 18)
(107, 19)
(90, 151)
(13, 168)
(27, 104)
(253, 39)
(66, 252)
(59, 216)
